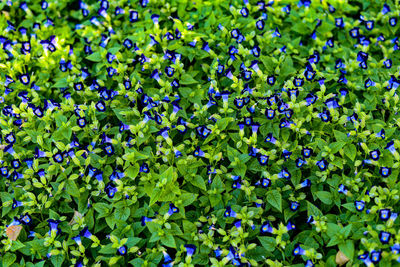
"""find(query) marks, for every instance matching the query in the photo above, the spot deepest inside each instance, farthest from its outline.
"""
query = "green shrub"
(193, 133)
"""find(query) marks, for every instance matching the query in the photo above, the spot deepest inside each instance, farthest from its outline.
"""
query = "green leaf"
(188, 198)
(122, 213)
(267, 242)
(66, 132)
(313, 210)
(57, 260)
(95, 57)
(347, 248)
(8, 259)
(275, 199)
(223, 123)
(187, 79)
(72, 189)
(60, 119)
(286, 68)
(16, 245)
(350, 151)
(340, 136)
(61, 83)
(336, 146)
(101, 208)
(332, 229)
(155, 195)
(133, 171)
(107, 249)
(325, 197)
(168, 240)
(268, 64)
(198, 181)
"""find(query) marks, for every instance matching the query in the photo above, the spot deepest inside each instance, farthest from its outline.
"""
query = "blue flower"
(332, 103)
(286, 9)
(15, 163)
(309, 74)
(343, 92)
(218, 252)
(109, 149)
(381, 134)
(229, 212)
(39, 153)
(384, 214)
(384, 237)
(10, 138)
(369, 25)
(29, 162)
(85, 232)
(375, 256)
(266, 228)
(110, 190)
(385, 171)
(310, 99)
(203, 131)
(330, 42)
(387, 63)
(290, 226)
(306, 183)
(298, 82)
(309, 263)
(294, 205)
(385, 9)
(300, 162)
(190, 249)
(284, 173)
(286, 154)
(325, 116)
(260, 24)
(360, 205)
(81, 122)
(244, 12)
(262, 159)
(270, 113)
(77, 239)
(395, 248)
(390, 147)
(53, 224)
(265, 182)
(393, 21)
(298, 250)
(99, 176)
(144, 168)
(342, 189)
(368, 83)
(128, 43)
(122, 250)
(58, 157)
(271, 81)
(145, 219)
(310, 220)
(339, 22)
(172, 209)
(306, 152)
(256, 51)
(16, 204)
(322, 164)
(276, 33)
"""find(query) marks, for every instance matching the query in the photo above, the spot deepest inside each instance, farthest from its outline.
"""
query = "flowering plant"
(192, 133)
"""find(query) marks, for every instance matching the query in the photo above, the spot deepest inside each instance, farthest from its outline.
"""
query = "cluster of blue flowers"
(199, 132)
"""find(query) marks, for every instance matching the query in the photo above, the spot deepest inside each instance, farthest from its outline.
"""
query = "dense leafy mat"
(198, 132)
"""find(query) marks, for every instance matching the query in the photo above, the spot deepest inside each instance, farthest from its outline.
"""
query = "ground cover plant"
(199, 133)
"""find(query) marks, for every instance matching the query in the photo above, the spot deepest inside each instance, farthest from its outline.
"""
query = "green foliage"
(199, 133)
